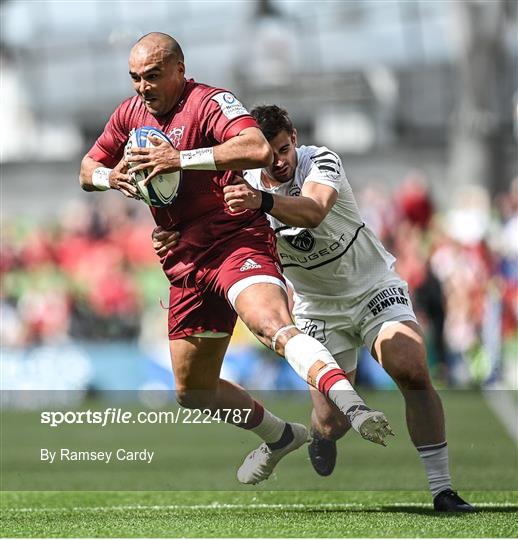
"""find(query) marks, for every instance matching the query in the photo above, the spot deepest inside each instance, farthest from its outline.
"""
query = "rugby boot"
(322, 454)
(449, 501)
(370, 424)
(259, 464)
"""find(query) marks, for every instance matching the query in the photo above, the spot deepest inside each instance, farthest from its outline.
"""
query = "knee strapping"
(279, 333)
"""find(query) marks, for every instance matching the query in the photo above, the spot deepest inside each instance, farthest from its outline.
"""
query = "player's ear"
(180, 66)
(294, 137)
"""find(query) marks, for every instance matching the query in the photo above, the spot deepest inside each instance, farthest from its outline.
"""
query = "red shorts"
(201, 302)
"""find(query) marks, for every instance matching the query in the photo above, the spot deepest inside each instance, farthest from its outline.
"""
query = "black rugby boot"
(322, 453)
(449, 501)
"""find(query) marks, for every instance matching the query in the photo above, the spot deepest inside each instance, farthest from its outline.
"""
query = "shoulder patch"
(326, 160)
(230, 106)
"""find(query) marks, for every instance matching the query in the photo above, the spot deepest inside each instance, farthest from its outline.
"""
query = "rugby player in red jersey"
(225, 264)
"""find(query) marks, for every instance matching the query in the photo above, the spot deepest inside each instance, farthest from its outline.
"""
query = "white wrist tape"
(201, 159)
(101, 178)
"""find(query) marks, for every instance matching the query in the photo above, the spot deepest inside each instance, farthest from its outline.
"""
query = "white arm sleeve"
(326, 168)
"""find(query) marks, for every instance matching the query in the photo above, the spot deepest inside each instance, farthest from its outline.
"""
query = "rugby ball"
(163, 188)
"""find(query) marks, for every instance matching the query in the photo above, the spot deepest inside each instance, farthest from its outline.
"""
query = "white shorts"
(342, 326)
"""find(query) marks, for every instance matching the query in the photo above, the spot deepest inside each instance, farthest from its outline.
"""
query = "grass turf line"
(251, 514)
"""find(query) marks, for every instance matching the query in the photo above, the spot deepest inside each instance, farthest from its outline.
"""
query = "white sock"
(266, 425)
(271, 427)
(314, 363)
(436, 464)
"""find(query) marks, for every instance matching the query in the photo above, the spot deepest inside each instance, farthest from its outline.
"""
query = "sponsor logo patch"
(304, 241)
(250, 264)
(230, 106)
(387, 298)
(316, 328)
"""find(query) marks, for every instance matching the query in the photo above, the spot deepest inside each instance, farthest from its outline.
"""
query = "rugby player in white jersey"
(346, 292)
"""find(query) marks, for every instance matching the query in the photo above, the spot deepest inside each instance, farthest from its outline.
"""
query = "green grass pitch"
(253, 514)
(374, 492)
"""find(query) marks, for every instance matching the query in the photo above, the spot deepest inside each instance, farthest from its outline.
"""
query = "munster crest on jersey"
(304, 241)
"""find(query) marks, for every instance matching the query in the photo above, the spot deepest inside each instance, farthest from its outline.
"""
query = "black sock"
(286, 437)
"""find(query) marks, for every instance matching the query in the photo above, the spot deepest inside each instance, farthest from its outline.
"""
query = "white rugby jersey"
(341, 258)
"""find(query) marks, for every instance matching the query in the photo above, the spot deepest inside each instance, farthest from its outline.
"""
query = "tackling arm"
(308, 210)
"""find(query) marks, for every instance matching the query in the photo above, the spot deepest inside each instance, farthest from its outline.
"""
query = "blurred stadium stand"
(375, 80)
(386, 84)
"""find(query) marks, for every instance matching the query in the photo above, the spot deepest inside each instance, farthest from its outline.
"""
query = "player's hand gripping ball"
(163, 188)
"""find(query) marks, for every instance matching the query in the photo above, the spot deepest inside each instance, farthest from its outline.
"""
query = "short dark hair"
(272, 120)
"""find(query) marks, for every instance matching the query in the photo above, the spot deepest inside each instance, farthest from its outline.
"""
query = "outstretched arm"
(307, 210)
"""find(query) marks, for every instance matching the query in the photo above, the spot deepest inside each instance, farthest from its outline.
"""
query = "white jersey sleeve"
(320, 165)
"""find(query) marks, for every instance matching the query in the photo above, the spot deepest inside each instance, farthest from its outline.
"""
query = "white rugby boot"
(370, 424)
(259, 463)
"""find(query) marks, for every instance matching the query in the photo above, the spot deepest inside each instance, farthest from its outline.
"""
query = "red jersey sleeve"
(109, 147)
(222, 116)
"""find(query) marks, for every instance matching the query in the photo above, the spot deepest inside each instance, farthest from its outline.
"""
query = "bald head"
(157, 70)
(160, 44)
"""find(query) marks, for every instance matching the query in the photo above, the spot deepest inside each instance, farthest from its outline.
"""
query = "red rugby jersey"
(204, 116)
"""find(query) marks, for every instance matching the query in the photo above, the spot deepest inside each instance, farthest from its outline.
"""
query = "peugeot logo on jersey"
(304, 241)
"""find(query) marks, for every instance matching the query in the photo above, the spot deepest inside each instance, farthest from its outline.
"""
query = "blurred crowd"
(462, 269)
(91, 274)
